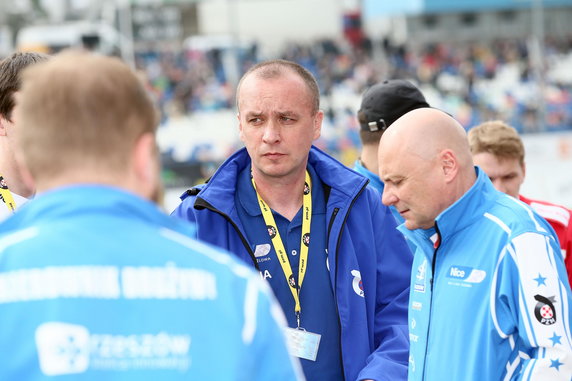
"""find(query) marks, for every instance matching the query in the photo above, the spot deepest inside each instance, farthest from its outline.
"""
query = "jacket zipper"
(334, 214)
(434, 261)
(203, 203)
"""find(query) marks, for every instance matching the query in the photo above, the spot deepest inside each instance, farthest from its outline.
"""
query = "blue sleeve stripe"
(493, 299)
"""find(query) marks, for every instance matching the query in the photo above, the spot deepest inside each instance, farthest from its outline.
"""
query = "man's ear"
(449, 164)
(145, 165)
(3, 123)
(318, 118)
(240, 132)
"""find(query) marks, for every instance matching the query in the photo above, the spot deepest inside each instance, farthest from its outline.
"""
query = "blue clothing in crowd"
(99, 284)
(490, 299)
(368, 260)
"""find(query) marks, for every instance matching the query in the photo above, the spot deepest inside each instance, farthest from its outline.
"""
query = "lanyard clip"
(298, 319)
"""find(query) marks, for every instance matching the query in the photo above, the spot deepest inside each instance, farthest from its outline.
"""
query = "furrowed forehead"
(287, 80)
(279, 99)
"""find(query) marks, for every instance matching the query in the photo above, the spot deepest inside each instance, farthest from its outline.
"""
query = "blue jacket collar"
(92, 198)
(220, 190)
(374, 179)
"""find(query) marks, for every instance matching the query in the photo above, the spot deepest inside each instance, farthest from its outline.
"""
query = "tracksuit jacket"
(560, 218)
(489, 295)
(99, 284)
(362, 242)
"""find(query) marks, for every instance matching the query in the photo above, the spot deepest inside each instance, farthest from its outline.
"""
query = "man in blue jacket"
(489, 298)
(96, 282)
(312, 228)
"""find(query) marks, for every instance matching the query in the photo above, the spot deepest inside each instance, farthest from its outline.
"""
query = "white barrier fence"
(214, 136)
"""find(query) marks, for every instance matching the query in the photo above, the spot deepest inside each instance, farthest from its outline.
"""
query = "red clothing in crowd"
(561, 220)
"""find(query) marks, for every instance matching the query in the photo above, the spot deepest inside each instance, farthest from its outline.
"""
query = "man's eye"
(287, 119)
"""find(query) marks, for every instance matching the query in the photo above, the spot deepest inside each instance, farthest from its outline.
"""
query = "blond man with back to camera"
(96, 282)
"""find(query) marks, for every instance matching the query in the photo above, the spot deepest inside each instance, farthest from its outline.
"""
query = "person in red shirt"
(498, 149)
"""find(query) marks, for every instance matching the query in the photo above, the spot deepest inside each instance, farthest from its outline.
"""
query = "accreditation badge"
(303, 344)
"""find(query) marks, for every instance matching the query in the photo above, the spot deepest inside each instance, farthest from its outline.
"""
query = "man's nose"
(271, 132)
(388, 197)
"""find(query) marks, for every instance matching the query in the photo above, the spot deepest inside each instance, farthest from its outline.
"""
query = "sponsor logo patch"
(62, 348)
(357, 284)
(420, 277)
(262, 250)
(306, 239)
(65, 349)
(465, 276)
(271, 231)
(292, 281)
(544, 310)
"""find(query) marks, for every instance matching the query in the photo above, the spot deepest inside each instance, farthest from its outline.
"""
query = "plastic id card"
(303, 344)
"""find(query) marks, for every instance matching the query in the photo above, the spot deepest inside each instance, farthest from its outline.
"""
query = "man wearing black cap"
(381, 105)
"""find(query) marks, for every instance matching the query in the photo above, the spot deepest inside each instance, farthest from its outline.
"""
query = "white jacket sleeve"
(537, 295)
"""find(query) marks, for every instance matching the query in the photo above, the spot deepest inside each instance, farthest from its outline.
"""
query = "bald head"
(425, 162)
(426, 132)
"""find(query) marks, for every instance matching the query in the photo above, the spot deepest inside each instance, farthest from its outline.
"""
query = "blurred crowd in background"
(473, 82)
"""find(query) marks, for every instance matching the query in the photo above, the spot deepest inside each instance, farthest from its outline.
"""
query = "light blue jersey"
(490, 299)
(98, 284)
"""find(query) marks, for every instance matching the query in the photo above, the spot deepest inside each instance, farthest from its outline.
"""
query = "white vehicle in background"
(52, 38)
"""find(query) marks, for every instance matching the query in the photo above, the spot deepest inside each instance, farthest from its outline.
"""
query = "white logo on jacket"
(357, 284)
(262, 250)
(71, 349)
(421, 277)
(62, 348)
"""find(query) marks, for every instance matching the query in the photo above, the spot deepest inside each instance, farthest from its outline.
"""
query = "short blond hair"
(497, 138)
(81, 110)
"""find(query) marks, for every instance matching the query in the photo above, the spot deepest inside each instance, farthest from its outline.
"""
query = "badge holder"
(301, 343)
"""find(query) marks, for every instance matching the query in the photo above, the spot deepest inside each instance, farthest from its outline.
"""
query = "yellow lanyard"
(6, 195)
(279, 245)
